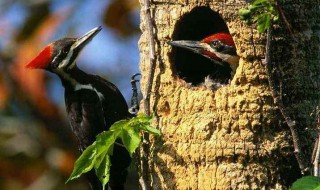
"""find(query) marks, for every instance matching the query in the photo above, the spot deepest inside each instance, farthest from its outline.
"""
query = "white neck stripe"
(88, 87)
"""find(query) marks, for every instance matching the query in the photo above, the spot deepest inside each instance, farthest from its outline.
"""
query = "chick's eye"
(214, 43)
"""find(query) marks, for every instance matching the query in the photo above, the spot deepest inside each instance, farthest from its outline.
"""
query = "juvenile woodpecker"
(93, 104)
(218, 47)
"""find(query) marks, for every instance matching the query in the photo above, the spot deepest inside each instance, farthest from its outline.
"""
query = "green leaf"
(141, 119)
(306, 183)
(253, 8)
(142, 122)
(84, 163)
(99, 159)
(110, 151)
(119, 125)
(271, 9)
(150, 129)
(103, 170)
(98, 154)
(276, 18)
(143, 116)
(257, 2)
(245, 14)
(258, 17)
(264, 22)
(105, 140)
(261, 12)
(131, 139)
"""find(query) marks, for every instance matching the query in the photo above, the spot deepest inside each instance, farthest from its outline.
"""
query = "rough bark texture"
(233, 137)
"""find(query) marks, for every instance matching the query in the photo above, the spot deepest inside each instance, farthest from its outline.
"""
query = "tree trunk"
(232, 136)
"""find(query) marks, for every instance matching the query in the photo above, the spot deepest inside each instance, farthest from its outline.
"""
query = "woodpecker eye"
(65, 51)
(60, 56)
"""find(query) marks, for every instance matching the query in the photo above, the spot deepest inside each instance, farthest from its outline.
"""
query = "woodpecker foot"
(135, 99)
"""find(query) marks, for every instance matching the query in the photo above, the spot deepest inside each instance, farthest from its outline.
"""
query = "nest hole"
(191, 67)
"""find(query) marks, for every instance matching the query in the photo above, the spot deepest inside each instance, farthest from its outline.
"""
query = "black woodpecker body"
(93, 104)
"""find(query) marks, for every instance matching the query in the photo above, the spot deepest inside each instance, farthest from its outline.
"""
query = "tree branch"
(152, 57)
(144, 152)
(284, 18)
(316, 151)
(278, 101)
(316, 157)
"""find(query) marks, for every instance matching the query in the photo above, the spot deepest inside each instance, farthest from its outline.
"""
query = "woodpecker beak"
(85, 39)
(194, 46)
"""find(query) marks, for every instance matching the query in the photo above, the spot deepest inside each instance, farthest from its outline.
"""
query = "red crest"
(42, 60)
(224, 37)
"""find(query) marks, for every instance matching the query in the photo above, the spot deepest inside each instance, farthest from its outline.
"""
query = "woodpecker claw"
(133, 77)
(134, 100)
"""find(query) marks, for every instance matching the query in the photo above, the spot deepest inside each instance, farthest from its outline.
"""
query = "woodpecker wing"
(86, 118)
(114, 108)
(114, 104)
(85, 115)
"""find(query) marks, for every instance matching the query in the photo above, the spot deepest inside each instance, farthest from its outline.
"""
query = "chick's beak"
(194, 46)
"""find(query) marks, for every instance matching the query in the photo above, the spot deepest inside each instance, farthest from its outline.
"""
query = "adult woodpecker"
(218, 47)
(93, 104)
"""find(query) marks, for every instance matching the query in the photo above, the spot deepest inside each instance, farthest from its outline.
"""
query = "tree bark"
(233, 137)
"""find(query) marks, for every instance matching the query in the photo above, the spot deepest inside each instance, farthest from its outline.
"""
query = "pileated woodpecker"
(93, 104)
(218, 47)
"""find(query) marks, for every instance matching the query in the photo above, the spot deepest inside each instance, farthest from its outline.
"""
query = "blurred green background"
(37, 149)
